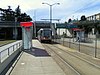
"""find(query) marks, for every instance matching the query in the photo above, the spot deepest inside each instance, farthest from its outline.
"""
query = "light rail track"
(79, 57)
(75, 65)
(75, 72)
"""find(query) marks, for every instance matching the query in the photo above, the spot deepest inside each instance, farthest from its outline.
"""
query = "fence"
(89, 45)
(4, 54)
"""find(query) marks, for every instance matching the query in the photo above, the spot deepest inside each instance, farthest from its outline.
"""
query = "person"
(77, 39)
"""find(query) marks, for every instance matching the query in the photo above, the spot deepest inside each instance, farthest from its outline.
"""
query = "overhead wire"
(83, 8)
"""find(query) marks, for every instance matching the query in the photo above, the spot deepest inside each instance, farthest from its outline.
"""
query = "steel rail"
(65, 62)
(80, 58)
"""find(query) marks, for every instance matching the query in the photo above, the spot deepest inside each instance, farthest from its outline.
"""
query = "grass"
(4, 42)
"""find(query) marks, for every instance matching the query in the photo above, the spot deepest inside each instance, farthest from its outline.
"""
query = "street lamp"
(34, 23)
(51, 16)
(51, 10)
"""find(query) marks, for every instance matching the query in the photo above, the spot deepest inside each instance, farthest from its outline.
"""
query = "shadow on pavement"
(37, 52)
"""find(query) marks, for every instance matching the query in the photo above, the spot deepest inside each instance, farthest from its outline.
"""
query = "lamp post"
(51, 10)
(34, 23)
(51, 16)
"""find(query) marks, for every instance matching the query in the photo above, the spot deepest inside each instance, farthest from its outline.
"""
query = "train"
(45, 34)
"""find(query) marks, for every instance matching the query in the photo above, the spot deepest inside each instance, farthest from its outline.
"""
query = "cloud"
(67, 8)
(81, 7)
(25, 5)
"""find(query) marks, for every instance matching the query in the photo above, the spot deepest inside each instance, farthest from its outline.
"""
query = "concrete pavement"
(36, 62)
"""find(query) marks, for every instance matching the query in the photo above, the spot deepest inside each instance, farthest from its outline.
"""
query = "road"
(73, 62)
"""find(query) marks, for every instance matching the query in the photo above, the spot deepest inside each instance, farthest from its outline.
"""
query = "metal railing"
(9, 24)
(91, 46)
(4, 54)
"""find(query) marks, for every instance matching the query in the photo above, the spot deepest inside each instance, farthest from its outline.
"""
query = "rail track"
(73, 63)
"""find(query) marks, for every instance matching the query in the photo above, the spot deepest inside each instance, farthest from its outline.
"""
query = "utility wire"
(88, 5)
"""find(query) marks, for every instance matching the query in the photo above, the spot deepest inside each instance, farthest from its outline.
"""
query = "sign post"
(27, 30)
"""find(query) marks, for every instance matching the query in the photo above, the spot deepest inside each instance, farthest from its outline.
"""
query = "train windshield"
(47, 33)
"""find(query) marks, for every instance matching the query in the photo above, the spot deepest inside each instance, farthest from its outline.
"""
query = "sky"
(68, 9)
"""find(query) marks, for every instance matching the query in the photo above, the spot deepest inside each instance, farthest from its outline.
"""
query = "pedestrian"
(77, 39)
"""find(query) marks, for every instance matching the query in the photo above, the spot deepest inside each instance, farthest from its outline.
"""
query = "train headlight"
(44, 38)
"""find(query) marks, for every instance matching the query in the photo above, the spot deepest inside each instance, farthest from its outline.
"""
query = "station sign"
(66, 26)
(61, 26)
(72, 26)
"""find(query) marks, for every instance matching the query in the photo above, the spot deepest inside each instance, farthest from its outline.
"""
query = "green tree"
(7, 15)
(69, 20)
(83, 18)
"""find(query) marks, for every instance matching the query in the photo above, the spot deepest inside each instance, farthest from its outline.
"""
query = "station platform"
(36, 62)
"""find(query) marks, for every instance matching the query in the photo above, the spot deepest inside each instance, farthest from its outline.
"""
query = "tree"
(28, 18)
(65, 22)
(83, 18)
(17, 11)
(69, 20)
(24, 18)
(9, 15)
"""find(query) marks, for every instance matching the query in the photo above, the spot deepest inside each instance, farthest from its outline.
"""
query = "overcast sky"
(67, 9)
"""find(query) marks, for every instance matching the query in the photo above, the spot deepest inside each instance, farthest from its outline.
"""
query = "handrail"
(8, 51)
